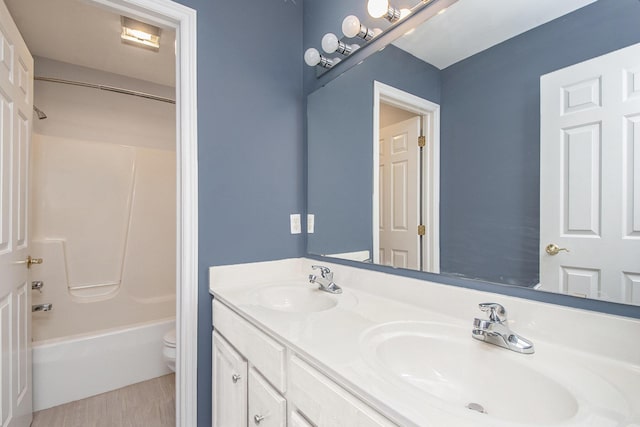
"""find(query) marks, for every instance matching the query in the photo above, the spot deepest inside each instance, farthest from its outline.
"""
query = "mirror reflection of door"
(590, 178)
(400, 158)
(406, 180)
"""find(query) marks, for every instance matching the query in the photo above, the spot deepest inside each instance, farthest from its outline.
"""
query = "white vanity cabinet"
(257, 381)
(247, 364)
(241, 396)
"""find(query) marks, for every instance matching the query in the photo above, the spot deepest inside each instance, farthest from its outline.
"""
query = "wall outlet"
(296, 228)
(311, 223)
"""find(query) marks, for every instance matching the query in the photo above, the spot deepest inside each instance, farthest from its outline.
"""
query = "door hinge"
(422, 230)
(422, 141)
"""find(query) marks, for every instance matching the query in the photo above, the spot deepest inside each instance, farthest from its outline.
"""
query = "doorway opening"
(170, 15)
(406, 171)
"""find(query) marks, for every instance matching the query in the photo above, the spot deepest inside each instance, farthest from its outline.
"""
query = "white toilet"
(169, 349)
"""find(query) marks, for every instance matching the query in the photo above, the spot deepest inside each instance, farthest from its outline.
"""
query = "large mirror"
(497, 141)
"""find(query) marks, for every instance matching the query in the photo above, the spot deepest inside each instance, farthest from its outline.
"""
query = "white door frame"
(170, 14)
(430, 163)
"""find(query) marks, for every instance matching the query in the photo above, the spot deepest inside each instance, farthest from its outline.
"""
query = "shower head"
(40, 113)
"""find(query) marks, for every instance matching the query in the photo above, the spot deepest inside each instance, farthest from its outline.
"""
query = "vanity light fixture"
(312, 57)
(383, 9)
(140, 34)
(351, 27)
(330, 44)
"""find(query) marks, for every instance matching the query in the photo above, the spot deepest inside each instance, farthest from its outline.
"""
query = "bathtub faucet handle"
(37, 285)
(42, 307)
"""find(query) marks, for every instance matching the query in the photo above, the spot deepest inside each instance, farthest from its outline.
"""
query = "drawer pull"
(235, 378)
(258, 418)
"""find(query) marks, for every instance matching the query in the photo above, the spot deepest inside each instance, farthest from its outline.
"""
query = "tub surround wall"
(118, 267)
(100, 201)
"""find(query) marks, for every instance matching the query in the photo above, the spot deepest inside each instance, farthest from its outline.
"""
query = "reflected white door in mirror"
(405, 180)
(399, 196)
(590, 178)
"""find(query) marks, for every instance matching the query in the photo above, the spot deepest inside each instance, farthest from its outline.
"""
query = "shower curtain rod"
(107, 88)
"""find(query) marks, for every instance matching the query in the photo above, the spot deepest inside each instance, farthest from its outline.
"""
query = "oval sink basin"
(295, 299)
(445, 363)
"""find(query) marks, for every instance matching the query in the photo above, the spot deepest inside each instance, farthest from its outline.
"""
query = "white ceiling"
(80, 33)
(471, 26)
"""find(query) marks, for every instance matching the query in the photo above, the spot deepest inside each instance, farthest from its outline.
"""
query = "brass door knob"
(553, 249)
(31, 261)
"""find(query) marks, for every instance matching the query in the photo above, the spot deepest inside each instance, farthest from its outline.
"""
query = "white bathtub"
(69, 369)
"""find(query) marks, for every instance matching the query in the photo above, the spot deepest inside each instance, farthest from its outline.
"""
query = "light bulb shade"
(377, 8)
(329, 43)
(351, 26)
(312, 57)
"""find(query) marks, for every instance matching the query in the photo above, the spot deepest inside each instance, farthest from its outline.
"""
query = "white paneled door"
(16, 112)
(590, 178)
(400, 194)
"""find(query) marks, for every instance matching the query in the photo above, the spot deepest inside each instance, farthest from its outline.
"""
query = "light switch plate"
(296, 228)
(311, 223)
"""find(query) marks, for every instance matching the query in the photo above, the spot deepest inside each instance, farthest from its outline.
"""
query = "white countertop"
(596, 357)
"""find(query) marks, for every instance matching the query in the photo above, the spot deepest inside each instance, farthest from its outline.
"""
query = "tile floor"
(146, 404)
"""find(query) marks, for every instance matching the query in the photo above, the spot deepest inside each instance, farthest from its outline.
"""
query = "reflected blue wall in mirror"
(340, 128)
(490, 150)
(489, 161)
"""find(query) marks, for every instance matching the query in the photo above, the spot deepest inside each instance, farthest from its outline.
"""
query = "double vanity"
(363, 348)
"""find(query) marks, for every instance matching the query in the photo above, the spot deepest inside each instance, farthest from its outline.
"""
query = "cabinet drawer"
(266, 407)
(325, 403)
(264, 353)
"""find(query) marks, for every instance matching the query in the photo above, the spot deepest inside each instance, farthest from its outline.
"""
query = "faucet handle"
(497, 313)
(324, 271)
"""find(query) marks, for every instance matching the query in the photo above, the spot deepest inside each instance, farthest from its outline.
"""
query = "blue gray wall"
(340, 147)
(251, 144)
(490, 137)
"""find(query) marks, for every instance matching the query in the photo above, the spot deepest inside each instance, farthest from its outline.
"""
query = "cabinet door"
(296, 420)
(229, 385)
(266, 407)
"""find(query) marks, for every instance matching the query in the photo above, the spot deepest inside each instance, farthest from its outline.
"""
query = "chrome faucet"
(495, 330)
(325, 281)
